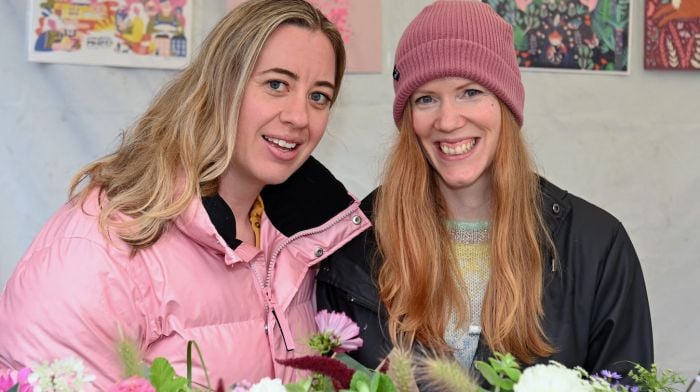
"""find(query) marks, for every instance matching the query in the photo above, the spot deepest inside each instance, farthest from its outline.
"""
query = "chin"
(457, 183)
(276, 176)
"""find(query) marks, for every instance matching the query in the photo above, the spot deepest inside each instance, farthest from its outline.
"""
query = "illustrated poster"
(575, 35)
(359, 22)
(672, 35)
(129, 33)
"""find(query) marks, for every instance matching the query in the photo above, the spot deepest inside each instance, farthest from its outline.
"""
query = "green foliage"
(377, 382)
(445, 375)
(14, 388)
(602, 12)
(164, 378)
(301, 386)
(360, 382)
(502, 371)
(190, 344)
(130, 357)
(401, 370)
(621, 18)
(382, 383)
(585, 57)
(520, 38)
(320, 383)
(352, 363)
(650, 380)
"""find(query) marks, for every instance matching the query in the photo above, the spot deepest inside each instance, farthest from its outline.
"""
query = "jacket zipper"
(265, 285)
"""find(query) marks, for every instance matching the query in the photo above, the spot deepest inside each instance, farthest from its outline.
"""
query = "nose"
(296, 111)
(450, 117)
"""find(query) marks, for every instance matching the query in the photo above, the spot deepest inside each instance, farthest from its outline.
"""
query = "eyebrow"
(462, 86)
(292, 75)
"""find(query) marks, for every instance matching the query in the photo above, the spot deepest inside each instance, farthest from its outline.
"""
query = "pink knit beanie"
(463, 38)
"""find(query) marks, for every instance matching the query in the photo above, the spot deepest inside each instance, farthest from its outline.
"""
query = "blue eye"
(320, 98)
(472, 92)
(424, 100)
(275, 84)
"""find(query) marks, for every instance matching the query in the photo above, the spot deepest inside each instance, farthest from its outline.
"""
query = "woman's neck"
(240, 193)
(472, 203)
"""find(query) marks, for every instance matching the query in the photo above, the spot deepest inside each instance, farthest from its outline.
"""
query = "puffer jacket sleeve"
(620, 330)
(68, 298)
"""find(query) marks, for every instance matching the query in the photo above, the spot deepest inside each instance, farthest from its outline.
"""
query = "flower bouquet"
(333, 370)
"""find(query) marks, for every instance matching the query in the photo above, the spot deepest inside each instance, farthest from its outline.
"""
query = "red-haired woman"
(472, 252)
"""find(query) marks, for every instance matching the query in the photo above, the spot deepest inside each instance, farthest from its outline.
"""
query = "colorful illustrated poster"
(129, 33)
(579, 35)
(672, 35)
(359, 21)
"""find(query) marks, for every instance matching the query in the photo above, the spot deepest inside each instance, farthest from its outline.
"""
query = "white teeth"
(457, 150)
(280, 142)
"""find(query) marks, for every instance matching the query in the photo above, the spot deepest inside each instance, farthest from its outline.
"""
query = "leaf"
(520, 39)
(360, 382)
(507, 385)
(14, 388)
(487, 372)
(164, 378)
(513, 374)
(352, 363)
(382, 383)
(301, 386)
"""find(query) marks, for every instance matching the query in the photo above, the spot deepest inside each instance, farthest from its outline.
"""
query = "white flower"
(61, 375)
(268, 385)
(551, 378)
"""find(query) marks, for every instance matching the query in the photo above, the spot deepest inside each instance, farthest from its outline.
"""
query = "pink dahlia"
(341, 331)
(133, 384)
(19, 378)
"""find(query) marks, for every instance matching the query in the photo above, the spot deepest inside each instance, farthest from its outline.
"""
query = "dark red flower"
(339, 373)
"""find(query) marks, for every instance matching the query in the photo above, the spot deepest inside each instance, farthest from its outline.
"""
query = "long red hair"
(418, 281)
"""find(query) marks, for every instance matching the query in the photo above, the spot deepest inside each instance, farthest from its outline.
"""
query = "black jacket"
(595, 301)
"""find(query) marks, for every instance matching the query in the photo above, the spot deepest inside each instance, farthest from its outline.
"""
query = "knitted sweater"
(474, 263)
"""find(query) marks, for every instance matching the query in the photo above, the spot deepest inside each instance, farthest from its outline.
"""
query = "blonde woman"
(471, 251)
(208, 221)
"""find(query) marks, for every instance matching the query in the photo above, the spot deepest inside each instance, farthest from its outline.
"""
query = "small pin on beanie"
(463, 38)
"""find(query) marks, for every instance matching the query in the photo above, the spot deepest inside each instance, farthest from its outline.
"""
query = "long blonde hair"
(184, 142)
(418, 281)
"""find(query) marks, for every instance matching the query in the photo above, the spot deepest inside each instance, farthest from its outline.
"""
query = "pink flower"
(591, 4)
(19, 378)
(342, 330)
(522, 4)
(133, 384)
(242, 386)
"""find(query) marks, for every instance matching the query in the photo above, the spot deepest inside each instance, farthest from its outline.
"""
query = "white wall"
(625, 143)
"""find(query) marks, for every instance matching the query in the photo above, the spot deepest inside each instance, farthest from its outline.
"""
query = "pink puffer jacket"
(74, 293)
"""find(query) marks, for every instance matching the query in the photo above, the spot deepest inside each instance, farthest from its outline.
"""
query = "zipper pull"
(281, 321)
(285, 331)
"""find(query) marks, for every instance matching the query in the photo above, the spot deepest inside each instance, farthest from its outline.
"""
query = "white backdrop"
(626, 143)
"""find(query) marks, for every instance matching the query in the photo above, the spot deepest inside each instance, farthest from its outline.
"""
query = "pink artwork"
(672, 35)
(359, 22)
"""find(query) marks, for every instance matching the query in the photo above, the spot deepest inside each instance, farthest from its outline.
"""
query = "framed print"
(572, 35)
(672, 35)
(128, 33)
